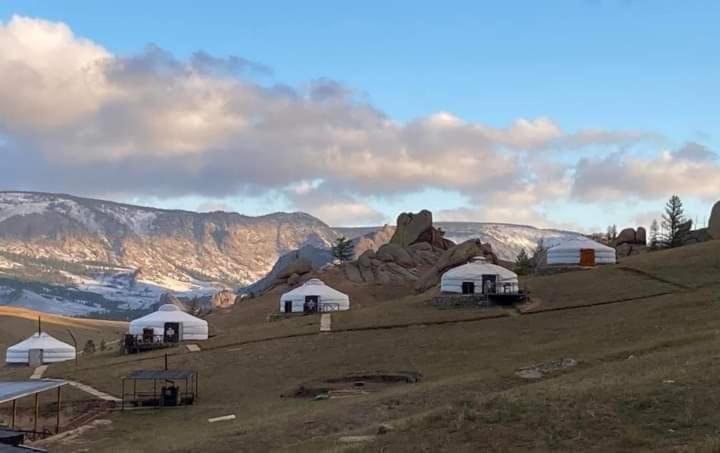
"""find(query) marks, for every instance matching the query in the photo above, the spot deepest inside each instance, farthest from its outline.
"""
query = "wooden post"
(57, 422)
(166, 361)
(37, 411)
(122, 396)
(12, 424)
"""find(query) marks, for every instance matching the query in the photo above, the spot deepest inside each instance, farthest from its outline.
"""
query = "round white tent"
(38, 349)
(478, 276)
(582, 251)
(314, 296)
(170, 321)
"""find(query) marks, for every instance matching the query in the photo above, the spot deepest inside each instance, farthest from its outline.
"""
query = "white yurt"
(39, 349)
(581, 251)
(313, 296)
(479, 276)
(172, 324)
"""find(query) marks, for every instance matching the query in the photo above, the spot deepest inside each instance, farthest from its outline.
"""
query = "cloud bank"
(74, 117)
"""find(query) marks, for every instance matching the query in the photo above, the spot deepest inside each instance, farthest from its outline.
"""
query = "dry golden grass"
(645, 379)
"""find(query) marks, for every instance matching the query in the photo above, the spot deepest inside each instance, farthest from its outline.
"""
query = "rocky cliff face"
(215, 246)
(77, 241)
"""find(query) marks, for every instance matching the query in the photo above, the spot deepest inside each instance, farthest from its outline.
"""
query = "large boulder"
(366, 259)
(372, 241)
(626, 236)
(293, 280)
(300, 266)
(223, 299)
(352, 272)
(396, 254)
(455, 256)
(410, 227)
(697, 236)
(714, 224)
(683, 231)
(641, 235)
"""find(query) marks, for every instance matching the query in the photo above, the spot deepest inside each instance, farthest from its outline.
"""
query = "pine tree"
(522, 263)
(612, 233)
(672, 219)
(344, 249)
(654, 234)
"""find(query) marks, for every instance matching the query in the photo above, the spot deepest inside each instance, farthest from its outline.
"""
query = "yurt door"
(587, 257)
(311, 304)
(288, 306)
(35, 357)
(488, 283)
(468, 287)
(171, 333)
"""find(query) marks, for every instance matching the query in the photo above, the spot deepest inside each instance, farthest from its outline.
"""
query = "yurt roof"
(315, 287)
(40, 341)
(479, 267)
(580, 243)
(168, 313)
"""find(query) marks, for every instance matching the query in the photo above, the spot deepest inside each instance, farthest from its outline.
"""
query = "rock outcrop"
(641, 235)
(683, 231)
(372, 241)
(714, 224)
(631, 236)
(223, 299)
(291, 269)
(395, 253)
(410, 226)
(630, 242)
(455, 256)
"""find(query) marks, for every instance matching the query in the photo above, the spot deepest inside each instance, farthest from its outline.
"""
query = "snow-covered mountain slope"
(506, 239)
(129, 254)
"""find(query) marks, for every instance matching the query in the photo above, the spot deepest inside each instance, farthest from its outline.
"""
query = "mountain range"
(72, 255)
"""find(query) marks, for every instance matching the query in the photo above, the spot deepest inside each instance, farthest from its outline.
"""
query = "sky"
(566, 114)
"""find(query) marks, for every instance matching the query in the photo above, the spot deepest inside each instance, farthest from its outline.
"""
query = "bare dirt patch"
(353, 384)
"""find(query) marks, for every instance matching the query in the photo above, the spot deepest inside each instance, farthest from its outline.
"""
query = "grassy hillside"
(643, 335)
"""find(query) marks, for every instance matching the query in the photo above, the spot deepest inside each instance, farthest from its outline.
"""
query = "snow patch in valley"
(46, 304)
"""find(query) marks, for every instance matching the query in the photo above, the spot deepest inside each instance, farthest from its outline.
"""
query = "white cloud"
(622, 176)
(75, 117)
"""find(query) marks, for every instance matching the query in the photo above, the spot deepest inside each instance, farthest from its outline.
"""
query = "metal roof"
(21, 449)
(12, 390)
(160, 375)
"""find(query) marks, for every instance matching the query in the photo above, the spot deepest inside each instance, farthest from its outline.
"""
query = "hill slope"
(641, 336)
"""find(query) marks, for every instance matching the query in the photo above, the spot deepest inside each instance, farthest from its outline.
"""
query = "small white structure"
(479, 277)
(580, 251)
(313, 296)
(172, 324)
(39, 349)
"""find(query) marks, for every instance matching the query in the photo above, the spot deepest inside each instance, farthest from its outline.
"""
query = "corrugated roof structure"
(12, 390)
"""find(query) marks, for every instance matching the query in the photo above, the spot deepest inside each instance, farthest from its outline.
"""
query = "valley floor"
(644, 336)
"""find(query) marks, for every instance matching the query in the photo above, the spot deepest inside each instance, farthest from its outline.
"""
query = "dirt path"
(94, 392)
(326, 322)
(39, 372)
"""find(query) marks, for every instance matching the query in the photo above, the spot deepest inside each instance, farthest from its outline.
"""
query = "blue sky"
(610, 65)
